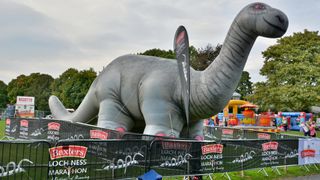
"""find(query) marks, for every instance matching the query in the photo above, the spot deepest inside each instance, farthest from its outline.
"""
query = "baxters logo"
(54, 126)
(270, 146)
(227, 131)
(308, 153)
(98, 134)
(8, 122)
(68, 151)
(264, 136)
(24, 123)
(212, 148)
(176, 145)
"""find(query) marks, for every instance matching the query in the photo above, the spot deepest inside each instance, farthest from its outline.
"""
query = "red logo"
(24, 123)
(98, 134)
(68, 151)
(176, 145)
(8, 121)
(264, 136)
(54, 126)
(270, 146)
(308, 153)
(227, 131)
(180, 37)
(212, 148)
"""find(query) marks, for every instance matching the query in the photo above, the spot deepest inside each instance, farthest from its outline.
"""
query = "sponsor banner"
(55, 130)
(181, 48)
(175, 156)
(212, 158)
(8, 127)
(68, 151)
(68, 162)
(25, 107)
(228, 133)
(309, 151)
(264, 136)
(98, 159)
(98, 134)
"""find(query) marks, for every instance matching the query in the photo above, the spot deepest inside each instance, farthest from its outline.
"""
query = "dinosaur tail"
(86, 111)
(58, 110)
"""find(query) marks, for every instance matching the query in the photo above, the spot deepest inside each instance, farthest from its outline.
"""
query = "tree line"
(291, 68)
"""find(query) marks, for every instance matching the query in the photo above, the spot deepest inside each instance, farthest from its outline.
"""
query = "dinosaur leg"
(113, 115)
(195, 130)
(162, 118)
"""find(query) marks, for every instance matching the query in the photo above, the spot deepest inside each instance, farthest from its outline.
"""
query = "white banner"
(309, 151)
(25, 107)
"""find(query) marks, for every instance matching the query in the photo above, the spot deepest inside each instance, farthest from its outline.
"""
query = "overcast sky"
(50, 36)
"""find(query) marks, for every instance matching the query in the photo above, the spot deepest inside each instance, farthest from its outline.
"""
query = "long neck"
(213, 87)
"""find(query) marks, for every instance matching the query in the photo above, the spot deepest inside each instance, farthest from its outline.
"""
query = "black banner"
(181, 48)
(98, 159)
(54, 130)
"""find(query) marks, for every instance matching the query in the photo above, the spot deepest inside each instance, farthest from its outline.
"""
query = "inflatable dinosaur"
(138, 90)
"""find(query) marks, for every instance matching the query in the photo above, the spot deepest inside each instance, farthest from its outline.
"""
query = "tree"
(3, 94)
(292, 69)
(72, 86)
(245, 85)
(36, 85)
(159, 53)
(204, 57)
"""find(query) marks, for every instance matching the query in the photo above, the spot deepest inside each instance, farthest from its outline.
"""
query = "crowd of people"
(309, 128)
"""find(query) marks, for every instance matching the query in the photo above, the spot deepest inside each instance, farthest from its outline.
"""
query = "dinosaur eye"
(259, 6)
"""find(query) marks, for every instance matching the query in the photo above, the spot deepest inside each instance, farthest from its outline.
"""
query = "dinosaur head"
(263, 20)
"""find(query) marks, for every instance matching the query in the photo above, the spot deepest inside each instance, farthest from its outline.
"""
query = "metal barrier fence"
(106, 156)
(218, 133)
(119, 159)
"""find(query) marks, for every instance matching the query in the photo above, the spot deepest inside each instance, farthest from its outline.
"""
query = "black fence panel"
(175, 157)
(55, 130)
(24, 160)
(97, 159)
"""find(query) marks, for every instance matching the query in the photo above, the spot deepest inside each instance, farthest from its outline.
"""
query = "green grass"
(298, 133)
(2, 128)
(292, 171)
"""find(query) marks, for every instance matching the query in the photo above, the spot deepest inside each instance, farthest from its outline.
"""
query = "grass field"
(291, 171)
(2, 128)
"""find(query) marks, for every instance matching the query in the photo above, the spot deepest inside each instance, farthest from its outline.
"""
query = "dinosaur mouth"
(275, 26)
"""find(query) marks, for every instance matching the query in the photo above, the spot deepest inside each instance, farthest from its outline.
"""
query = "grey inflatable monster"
(138, 90)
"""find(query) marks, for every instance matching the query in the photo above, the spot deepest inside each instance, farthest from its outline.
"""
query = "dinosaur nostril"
(280, 18)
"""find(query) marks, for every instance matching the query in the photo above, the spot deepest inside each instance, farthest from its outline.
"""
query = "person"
(305, 129)
(313, 132)
(216, 119)
(285, 123)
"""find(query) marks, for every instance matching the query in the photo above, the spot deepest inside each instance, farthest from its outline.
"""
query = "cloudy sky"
(50, 36)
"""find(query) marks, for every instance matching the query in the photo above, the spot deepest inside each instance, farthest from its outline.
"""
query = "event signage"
(212, 158)
(309, 151)
(25, 107)
(68, 162)
(227, 133)
(264, 136)
(24, 129)
(98, 134)
(53, 132)
(8, 129)
(181, 48)
(269, 154)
